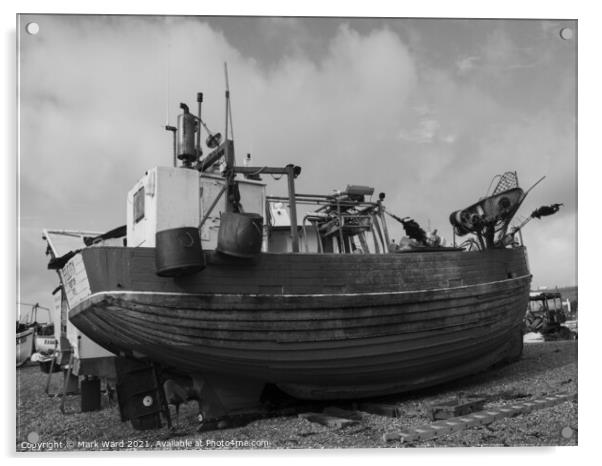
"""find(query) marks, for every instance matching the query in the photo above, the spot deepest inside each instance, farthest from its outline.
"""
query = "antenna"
(536, 183)
(228, 101)
(228, 118)
(167, 126)
(167, 82)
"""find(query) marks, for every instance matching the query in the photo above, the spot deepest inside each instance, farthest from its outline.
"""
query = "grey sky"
(427, 111)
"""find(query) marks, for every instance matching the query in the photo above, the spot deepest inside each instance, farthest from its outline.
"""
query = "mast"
(232, 199)
(226, 150)
(199, 99)
(290, 171)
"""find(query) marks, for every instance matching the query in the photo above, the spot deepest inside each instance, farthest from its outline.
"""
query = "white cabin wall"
(57, 316)
(137, 231)
(280, 240)
(171, 200)
(252, 199)
(210, 189)
(179, 197)
(83, 347)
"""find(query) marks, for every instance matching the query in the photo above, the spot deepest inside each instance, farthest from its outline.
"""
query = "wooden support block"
(485, 417)
(509, 412)
(408, 437)
(528, 406)
(568, 396)
(340, 412)
(519, 408)
(482, 418)
(382, 409)
(467, 421)
(440, 428)
(391, 436)
(329, 421)
(424, 433)
(454, 407)
(454, 425)
(495, 414)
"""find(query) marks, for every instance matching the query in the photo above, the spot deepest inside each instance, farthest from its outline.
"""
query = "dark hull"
(319, 326)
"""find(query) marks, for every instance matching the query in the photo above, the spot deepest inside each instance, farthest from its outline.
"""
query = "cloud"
(466, 64)
(365, 110)
(94, 124)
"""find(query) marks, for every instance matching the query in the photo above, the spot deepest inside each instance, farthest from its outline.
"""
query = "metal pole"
(341, 225)
(174, 130)
(199, 99)
(373, 231)
(175, 160)
(227, 150)
(381, 210)
(213, 204)
(380, 235)
(290, 171)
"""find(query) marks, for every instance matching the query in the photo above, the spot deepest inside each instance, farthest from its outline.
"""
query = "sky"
(426, 110)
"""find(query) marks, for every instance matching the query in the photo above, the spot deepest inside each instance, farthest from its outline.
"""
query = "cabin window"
(554, 305)
(139, 205)
(536, 306)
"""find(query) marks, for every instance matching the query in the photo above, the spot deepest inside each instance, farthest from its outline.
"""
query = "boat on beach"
(33, 337)
(214, 279)
(338, 326)
(24, 343)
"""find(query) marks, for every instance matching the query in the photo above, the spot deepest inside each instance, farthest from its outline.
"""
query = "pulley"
(213, 140)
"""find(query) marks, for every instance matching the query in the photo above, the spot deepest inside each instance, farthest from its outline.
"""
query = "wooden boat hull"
(45, 343)
(319, 326)
(24, 346)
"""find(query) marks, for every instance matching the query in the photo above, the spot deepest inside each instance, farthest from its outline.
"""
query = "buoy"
(178, 251)
(240, 234)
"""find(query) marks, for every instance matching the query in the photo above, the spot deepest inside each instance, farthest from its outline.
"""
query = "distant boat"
(34, 337)
(533, 337)
(45, 340)
(25, 342)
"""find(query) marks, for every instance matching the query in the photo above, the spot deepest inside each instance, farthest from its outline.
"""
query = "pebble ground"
(544, 369)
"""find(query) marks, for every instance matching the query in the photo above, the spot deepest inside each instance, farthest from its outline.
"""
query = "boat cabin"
(168, 198)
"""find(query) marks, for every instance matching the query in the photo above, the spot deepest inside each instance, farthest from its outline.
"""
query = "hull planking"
(320, 326)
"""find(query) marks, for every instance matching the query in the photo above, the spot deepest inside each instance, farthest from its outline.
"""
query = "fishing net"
(508, 180)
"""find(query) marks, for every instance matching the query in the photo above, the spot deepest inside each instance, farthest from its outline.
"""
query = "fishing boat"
(212, 278)
(24, 343)
(45, 341)
(33, 337)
